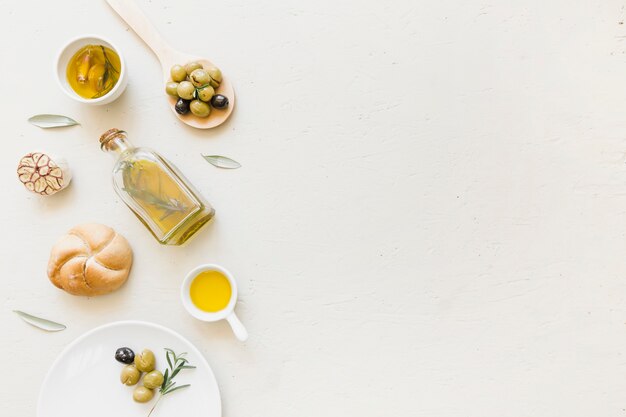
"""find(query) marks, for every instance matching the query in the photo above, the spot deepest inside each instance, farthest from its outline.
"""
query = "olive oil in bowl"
(93, 71)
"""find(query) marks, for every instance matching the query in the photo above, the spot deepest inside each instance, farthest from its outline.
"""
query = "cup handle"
(240, 331)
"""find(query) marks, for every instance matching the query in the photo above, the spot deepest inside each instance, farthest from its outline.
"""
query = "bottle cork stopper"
(109, 135)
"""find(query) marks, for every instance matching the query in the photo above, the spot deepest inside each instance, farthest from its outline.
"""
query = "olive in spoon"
(168, 57)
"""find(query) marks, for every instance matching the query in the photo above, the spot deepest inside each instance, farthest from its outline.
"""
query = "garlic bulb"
(43, 175)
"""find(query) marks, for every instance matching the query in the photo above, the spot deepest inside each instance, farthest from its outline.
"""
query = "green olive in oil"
(93, 71)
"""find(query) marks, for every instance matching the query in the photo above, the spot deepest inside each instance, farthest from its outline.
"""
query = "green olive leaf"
(221, 161)
(165, 379)
(47, 325)
(178, 387)
(46, 121)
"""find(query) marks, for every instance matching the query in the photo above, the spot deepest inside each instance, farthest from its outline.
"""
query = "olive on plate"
(142, 394)
(130, 375)
(153, 379)
(125, 355)
(145, 361)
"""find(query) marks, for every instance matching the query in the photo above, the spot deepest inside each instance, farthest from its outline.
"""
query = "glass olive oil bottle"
(159, 195)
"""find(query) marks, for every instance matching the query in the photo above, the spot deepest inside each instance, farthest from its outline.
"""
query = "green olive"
(185, 90)
(130, 375)
(171, 88)
(191, 67)
(153, 380)
(216, 76)
(142, 394)
(199, 77)
(145, 361)
(206, 93)
(200, 108)
(178, 73)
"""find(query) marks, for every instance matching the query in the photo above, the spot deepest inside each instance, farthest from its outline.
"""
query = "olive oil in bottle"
(159, 195)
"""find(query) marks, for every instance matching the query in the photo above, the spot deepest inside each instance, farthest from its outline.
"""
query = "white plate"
(84, 380)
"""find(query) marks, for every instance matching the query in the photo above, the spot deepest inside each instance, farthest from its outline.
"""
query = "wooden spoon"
(168, 56)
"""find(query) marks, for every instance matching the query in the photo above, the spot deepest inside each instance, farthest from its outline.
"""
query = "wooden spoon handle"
(128, 10)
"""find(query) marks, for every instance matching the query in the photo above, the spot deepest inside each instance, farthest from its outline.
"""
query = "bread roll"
(91, 259)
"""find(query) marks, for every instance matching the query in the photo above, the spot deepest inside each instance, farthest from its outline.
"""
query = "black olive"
(182, 106)
(125, 355)
(219, 101)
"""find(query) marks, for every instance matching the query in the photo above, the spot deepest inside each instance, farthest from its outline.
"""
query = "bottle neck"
(117, 146)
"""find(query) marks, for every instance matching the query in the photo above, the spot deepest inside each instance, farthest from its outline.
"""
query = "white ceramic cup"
(227, 313)
(66, 54)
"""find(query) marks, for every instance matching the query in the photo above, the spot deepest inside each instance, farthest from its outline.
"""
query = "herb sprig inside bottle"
(139, 186)
(176, 363)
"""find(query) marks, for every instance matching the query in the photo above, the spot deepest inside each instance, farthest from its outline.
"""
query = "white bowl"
(66, 54)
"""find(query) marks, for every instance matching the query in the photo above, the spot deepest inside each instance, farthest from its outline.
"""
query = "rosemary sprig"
(170, 206)
(109, 78)
(138, 190)
(107, 61)
(175, 363)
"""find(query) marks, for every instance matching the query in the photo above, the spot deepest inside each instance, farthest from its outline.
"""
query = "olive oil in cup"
(91, 70)
(209, 293)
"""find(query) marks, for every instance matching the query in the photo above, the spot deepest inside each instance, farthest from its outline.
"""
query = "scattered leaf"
(40, 323)
(46, 121)
(222, 161)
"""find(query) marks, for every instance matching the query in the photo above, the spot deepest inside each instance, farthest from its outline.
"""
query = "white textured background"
(429, 220)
